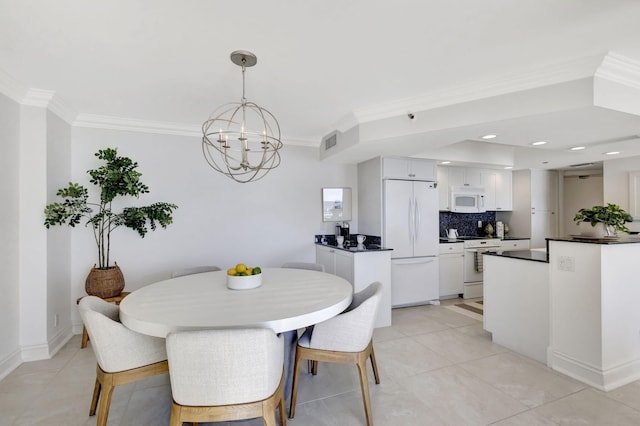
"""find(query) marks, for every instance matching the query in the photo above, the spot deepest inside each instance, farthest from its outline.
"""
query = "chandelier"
(242, 140)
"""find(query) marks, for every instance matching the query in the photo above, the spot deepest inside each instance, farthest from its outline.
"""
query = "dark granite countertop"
(627, 239)
(358, 248)
(448, 241)
(534, 255)
(372, 243)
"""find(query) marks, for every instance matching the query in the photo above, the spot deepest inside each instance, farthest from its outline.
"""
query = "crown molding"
(156, 127)
(484, 88)
(38, 98)
(135, 125)
(62, 109)
(620, 69)
(50, 100)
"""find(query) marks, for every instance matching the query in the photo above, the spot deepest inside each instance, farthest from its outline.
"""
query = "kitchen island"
(579, 306)
(594, 333)
(516, 301)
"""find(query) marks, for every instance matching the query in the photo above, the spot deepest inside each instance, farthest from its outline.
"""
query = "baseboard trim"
(10, 363)
(602, 379)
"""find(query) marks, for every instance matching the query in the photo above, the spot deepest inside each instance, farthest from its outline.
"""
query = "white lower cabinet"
(361, 269)
(513, 245)
(451, 270)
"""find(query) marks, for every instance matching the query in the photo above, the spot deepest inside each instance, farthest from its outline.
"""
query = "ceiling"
(567, 72)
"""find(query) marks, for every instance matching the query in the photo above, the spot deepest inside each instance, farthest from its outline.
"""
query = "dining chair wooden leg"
(174, 419)
(282, 411)
(374, 365)
(269, 418)
(364, 384)
(94, 400)
(105, 402)
(85, 338)
(294, 387)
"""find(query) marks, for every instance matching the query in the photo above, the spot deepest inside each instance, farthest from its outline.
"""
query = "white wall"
(616, 183)
(218, 221)
(9, 302)
(59, 301)
(32, 248)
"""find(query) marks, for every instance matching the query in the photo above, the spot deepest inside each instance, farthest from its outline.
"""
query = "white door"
(398, 217)
(344, 265)
(451, 276)
(426, 222)
(543, 225)
(325, 256)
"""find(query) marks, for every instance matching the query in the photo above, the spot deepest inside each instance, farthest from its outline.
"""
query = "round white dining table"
(288, 299)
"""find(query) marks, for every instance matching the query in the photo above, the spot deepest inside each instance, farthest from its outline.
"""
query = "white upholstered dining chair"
(347, 339)
(123, 355)
(193, 270)
(304, 265)
(225, 375)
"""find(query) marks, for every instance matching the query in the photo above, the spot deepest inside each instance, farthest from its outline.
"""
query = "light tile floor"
(437, 367)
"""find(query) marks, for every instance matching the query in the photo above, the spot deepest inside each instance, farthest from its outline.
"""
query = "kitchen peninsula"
(360, 264)
(578, 307)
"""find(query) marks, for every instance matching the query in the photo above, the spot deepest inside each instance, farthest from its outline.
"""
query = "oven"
(473, 264)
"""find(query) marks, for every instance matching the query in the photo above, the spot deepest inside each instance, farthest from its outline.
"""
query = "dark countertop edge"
(445, 240)
(354, 249)
(594, 240)
(531, 255)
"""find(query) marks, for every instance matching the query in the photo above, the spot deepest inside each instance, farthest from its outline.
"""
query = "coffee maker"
(343, 230)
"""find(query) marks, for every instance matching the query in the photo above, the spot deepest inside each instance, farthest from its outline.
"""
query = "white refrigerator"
(411, 228)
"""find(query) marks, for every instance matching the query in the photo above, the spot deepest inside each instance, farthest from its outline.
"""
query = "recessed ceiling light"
(508, 167)
(612, 153)
(577, 148)
(539, 143)
(489, 136)
(446, 162)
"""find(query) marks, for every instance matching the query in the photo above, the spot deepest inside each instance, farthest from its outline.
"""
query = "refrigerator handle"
(416, 220)
(410, 220)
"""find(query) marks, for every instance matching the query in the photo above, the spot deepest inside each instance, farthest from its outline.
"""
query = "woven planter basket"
(104, 283)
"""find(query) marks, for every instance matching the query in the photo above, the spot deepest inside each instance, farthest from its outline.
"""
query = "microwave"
(467, 199)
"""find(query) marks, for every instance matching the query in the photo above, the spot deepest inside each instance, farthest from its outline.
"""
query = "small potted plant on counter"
(118, 177)
(610, 217)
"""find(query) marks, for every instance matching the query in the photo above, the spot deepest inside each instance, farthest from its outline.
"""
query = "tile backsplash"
(466, 223)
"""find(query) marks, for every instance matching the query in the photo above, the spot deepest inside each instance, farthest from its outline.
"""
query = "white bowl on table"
(244, 282)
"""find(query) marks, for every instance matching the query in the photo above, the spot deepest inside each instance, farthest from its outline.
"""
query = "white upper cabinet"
(408, 169)
(498, 189)
(497, 184)
(444, 200)
(464, 176)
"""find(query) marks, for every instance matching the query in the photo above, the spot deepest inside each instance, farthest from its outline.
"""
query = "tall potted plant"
(611, 217)
(117, 177)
